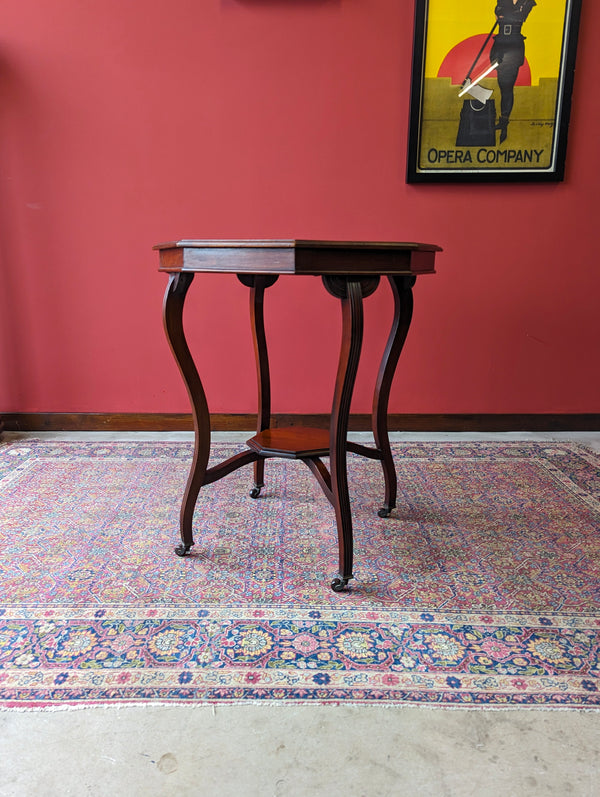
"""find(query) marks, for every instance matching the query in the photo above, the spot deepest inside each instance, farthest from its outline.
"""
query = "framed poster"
(491, 89)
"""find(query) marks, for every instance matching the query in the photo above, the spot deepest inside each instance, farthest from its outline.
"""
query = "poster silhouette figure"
(508, 50)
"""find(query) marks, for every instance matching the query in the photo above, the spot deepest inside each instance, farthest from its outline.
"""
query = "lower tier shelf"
(291, 442)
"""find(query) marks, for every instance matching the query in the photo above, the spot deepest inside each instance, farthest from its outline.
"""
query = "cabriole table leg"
(350, 291)
(258, 283)
(403, 308)
(173, 323)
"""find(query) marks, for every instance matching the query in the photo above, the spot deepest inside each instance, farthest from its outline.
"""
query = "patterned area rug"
(482, 588)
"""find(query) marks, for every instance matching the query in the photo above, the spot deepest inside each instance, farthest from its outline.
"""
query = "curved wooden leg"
(352, 332)
(403, 307)
(173, 323)
(258, 283)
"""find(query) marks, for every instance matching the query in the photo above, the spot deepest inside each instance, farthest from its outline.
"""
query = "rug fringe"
(123, 706)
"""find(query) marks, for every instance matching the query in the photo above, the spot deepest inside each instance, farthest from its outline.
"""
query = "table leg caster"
(385, 511)
(255, 491)
(339, 584)
(182, 549)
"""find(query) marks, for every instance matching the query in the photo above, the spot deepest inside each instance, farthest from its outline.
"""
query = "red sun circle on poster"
(460, 59)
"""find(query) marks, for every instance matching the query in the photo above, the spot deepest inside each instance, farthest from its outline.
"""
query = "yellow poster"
(489, 88)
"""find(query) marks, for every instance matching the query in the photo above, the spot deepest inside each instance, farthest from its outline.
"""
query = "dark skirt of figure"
(510, 54)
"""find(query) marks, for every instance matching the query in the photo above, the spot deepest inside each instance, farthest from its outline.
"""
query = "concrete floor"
(291, 751)
(274, 751)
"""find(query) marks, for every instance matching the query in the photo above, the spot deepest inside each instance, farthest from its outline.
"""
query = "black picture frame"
(470, 138)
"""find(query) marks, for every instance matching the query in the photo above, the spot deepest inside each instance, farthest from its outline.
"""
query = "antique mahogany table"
(350, 271)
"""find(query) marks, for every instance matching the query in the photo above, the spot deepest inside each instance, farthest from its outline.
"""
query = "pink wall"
(126, 124)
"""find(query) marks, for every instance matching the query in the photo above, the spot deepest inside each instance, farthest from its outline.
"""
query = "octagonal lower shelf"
(291, 442)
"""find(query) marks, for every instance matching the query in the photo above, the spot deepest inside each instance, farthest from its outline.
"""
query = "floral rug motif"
(481, 589)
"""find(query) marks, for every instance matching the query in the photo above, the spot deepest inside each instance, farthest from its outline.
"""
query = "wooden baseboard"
(174, 422)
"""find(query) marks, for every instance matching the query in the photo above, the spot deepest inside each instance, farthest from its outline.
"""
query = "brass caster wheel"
(339, 584)
(182, 549)
(255, 491)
